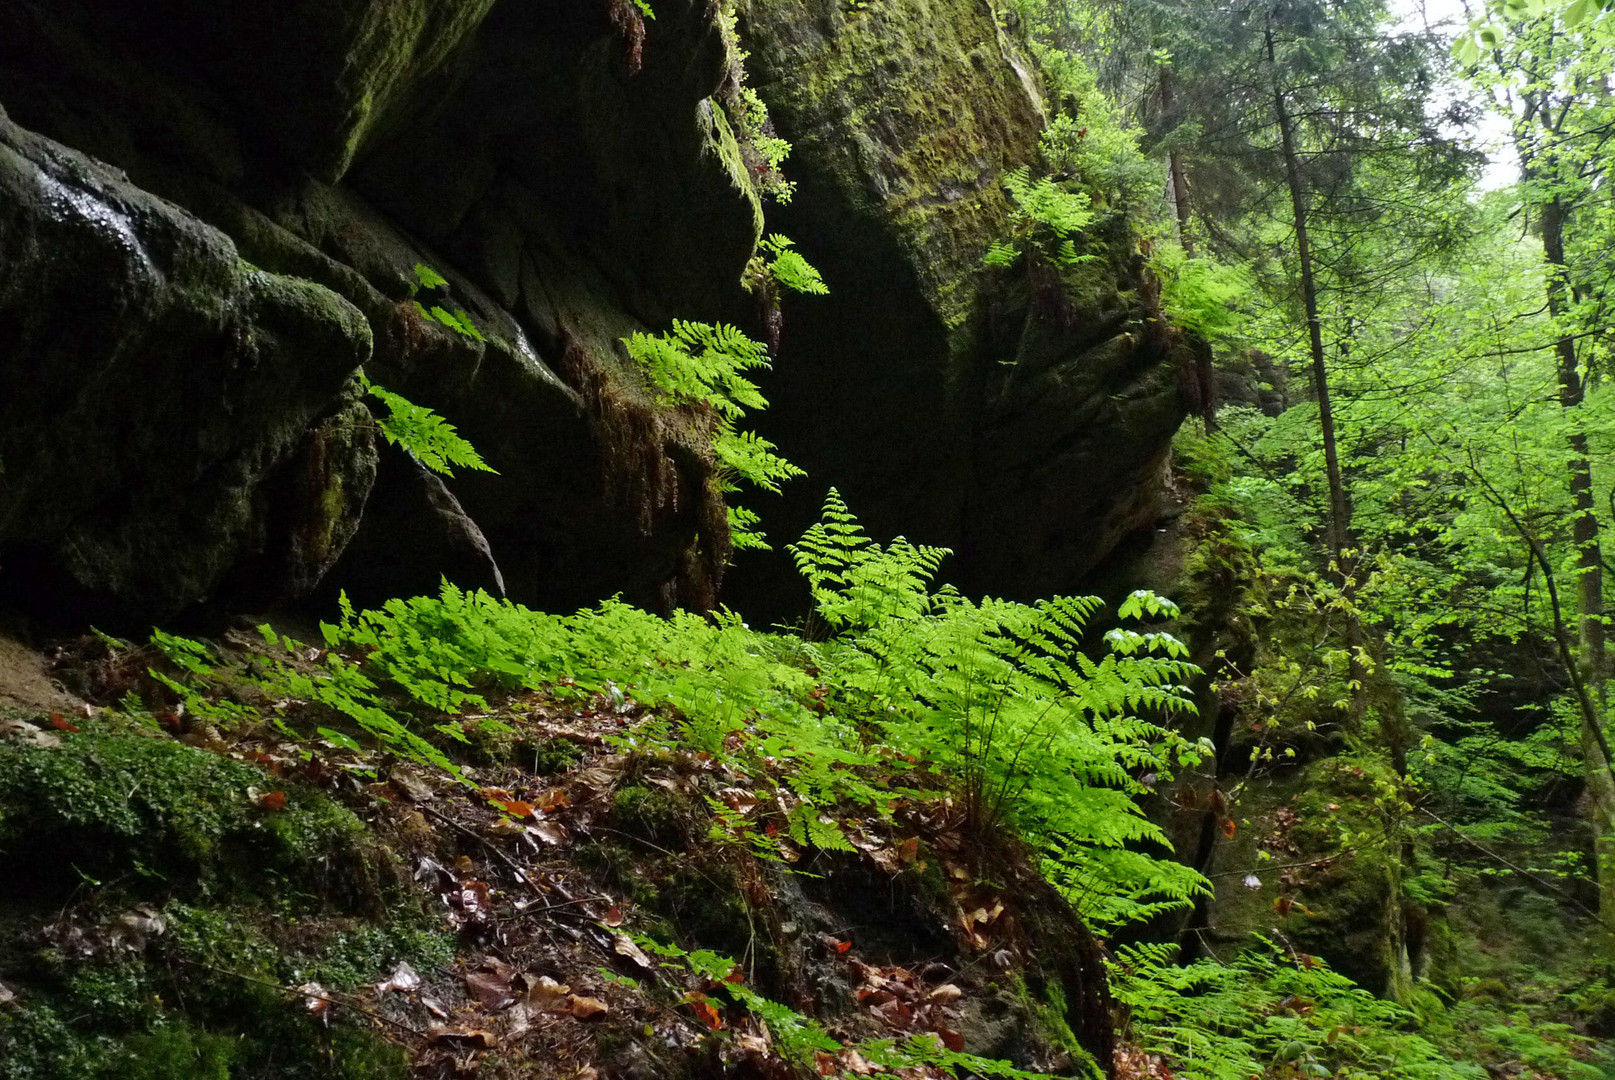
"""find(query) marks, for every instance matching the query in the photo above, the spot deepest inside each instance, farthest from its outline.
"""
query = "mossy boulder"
(946, 404)
(144, 805)
(1331, 892)
(568, 174)
(152, 386)
(159, 895)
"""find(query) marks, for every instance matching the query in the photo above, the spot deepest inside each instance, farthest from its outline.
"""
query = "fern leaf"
(431, 439)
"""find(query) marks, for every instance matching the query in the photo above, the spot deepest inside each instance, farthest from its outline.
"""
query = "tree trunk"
(1589, 569)
(1177, 177)
(1339, 506)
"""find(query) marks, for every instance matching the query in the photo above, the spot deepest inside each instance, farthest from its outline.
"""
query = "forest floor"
(192, 899)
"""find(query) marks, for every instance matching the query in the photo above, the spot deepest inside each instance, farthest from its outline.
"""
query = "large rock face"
(180, 327)
(153, 386)
(1028, 437)
(178, 421)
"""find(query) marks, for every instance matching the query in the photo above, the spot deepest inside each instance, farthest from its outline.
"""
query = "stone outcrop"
(945, 405)
(154, 387)
(247, 190)
(177, 340)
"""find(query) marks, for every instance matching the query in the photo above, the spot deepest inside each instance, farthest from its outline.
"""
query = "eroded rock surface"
(563, 166)
(151, 385)
(1029, 437)
(570, 170)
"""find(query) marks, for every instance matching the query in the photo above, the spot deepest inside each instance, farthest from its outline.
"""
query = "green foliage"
(707, 364)
(1090, 139)
(855, 582)
(790, 269)
(456, 319)
(334, 690)
(427, 278)
(1045, 219)
(1270, 1013)
(748, 456)
(995, 694)
(426, 435)
(761, 148)
(703, 362)
(1038, 735)
(1201, 295)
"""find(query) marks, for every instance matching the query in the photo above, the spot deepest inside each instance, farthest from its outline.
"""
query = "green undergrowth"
(159, 899)
(910, 680)
(896, 694)
(1272, 1013)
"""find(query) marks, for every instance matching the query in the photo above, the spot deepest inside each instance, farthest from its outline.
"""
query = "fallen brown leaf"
(517, 809)
(545, 994)
(585, 1008)
(490, 989)
(505, 827)
(624, 946)
(705, 1010)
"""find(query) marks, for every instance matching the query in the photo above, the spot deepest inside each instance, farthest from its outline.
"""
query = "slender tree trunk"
(1176, 175)
(1399, 983)
(1339, 505)
(1589, 568)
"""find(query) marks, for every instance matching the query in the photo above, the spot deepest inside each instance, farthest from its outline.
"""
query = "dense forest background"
(455, 466)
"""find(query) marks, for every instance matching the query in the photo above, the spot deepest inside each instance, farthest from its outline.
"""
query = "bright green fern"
(1044, 218)
(709, 364)
(431, 439)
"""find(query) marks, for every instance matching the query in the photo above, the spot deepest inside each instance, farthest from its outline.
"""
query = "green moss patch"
(138, 808)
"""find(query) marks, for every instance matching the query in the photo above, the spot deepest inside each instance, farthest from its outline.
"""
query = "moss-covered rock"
(945, 404)
(573, 182)
(158, 898)
(1335, 887)
(150, 807)
(150, 377)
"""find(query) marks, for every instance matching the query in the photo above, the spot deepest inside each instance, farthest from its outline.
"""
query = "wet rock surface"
(569, 177)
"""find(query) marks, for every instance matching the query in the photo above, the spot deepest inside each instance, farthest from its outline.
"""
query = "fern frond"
(790, 269)
(752, 458)
(431, 439)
